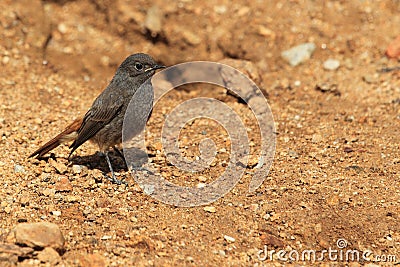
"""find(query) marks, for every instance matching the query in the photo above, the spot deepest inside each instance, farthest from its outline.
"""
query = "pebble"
(49, 255)
(19, 168)
(316, 138)
(210, 209)
(254, 207)
(148, 189)
(191, 37)
(202, 178)
(56, 213)
(318, 228)
(153, 21)
(201, 185)
(60, 167)
(348, 63)
(266, 32)
(41, 234)
(369, 78)
(220, 9)
(299, 54)
(393, 50)
(63, 185)
(331, 64)
(293, 154)
(70, 198)
(62, 28)
(5, 60)
(229, 238)
(11, 252)
(106, 237)
(76, 169)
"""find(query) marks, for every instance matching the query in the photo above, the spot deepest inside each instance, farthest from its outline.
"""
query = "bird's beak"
(155, 67)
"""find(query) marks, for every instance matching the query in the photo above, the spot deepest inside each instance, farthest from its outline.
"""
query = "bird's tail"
(69, 134)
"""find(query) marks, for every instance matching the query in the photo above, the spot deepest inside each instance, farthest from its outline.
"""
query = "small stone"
(331, 64)
(12, 252)
(8, 209)
(76, 169)
(271, 240)
(349, 118)
(56, 213)
(229, 238)
(189, 258)
(202, 178)
(60, 167)
(220, 9)
(62, 28)
(348, 149)
(191, 37)
(328, 88)
(91, 260)
(19, 168)
(38, 121)
(318, 228)
(210, 209)
(158, 146)
(153, 21)
(148, 189)
(316, 138)
(49, 192)
(266, 32)
(106, 237)
(201, 185)
(70, 198)
(105, 61)
(299, 54)
(393, 50)
(49, 255)
(63, 185)
(348, 63)
(5, 60)
(42, 234)
(293, 154)
(254, 207)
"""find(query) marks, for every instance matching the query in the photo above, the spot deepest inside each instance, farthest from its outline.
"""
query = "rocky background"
(328, 69)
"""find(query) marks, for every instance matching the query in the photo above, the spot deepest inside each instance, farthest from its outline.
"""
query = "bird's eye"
(138, 66)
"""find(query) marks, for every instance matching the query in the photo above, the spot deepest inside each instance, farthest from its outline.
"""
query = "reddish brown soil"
(336, 172)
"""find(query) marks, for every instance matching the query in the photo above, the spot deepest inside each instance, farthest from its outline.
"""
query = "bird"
(103, 122)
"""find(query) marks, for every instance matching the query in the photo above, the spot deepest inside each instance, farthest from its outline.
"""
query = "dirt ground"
(336, 172)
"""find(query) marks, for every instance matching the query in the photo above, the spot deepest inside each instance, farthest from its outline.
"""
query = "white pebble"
(331, 64)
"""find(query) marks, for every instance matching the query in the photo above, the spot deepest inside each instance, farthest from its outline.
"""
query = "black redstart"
(103, 122)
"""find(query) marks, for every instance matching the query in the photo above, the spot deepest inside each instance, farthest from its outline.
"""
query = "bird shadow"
(132, 158)
(98, 161)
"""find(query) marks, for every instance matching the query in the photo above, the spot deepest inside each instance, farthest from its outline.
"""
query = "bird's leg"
(119, 152)
(113, 178)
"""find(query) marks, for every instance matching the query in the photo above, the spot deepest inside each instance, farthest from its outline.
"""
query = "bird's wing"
(98, 116)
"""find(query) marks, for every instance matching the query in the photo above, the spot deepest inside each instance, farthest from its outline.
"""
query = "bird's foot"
(142, 169)
(114, 180)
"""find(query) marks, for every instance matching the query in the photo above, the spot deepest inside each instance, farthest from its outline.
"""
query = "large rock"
(42, 234)
(11, 252)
